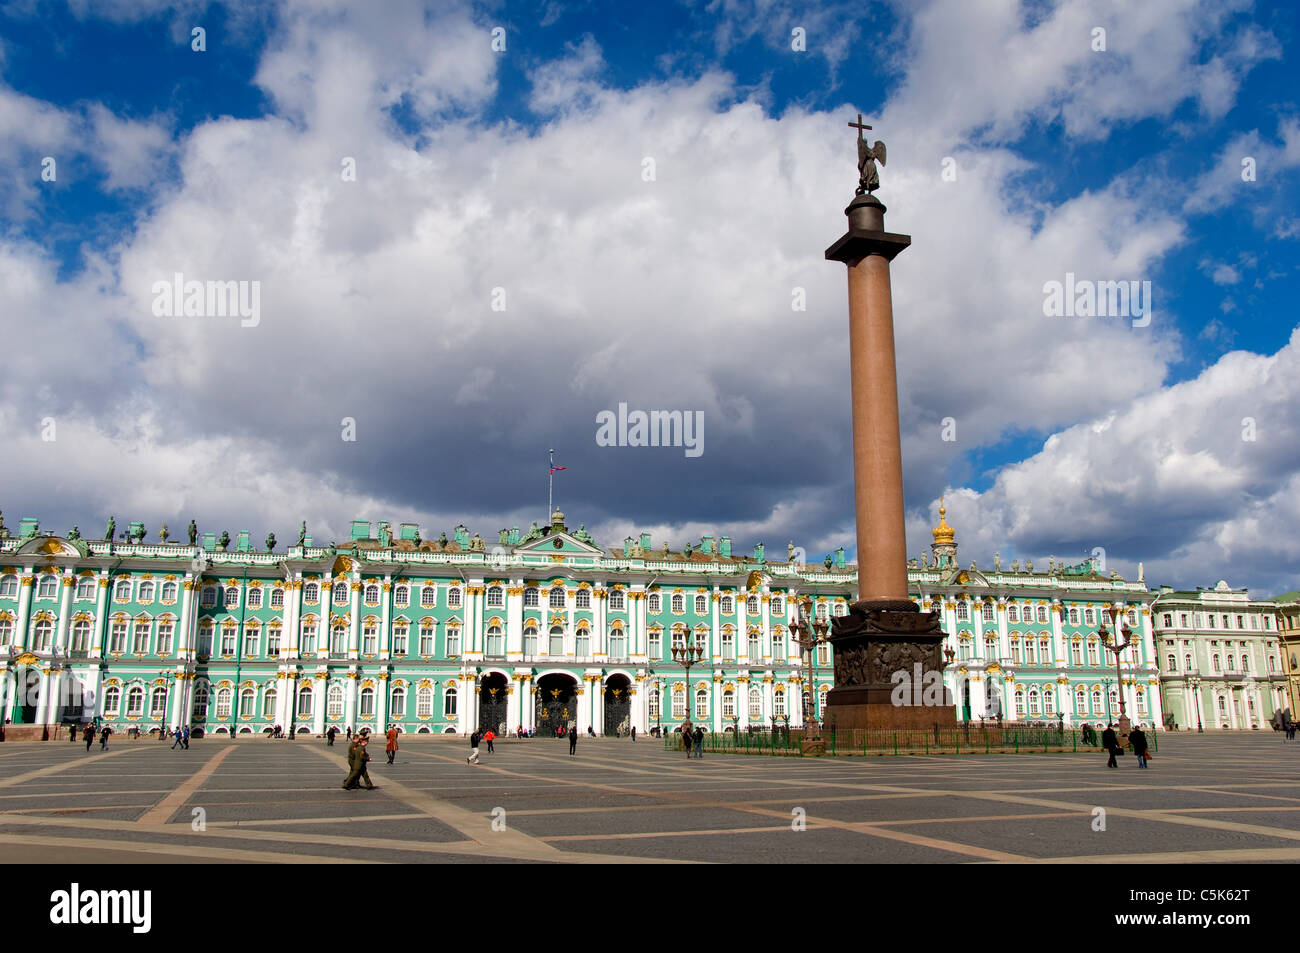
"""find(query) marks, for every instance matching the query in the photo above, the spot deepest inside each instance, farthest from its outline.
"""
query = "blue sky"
(521, 169)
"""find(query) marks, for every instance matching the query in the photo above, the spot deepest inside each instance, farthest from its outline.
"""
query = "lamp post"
(1114, 644)
(1196, 694)
(808, 635)
(686, 655)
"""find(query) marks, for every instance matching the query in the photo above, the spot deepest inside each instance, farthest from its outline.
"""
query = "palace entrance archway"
(557, 703)
(493, 703)
(618, 705)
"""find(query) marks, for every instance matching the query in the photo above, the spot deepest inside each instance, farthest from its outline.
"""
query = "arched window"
(304, 702)
(778, 605)
(277, 598)
(367, 702)
(48, 587)
(728, 605)
(372, 594)
(701, 605)
(1173, 662)
(310, 592)
(1097, 708)
(334, 701)
(112, 699)
(652, 603)
(1049, 704)
(255, 598)
(401, 635)
(1074, 617)
(679, 703)
(617, 644)
(556, 597)
(616, 600)
(582, 643)
(9, 587)
(424, 701)
(1187, 661)
(583, 599)
(530, 641)
(453, 598)
(679, 602)
(308, 636)
(1080, 702)
(339, 640)
(496, 597)
(1013, 614)
(986, 612)
(728, 644)
(1020, 703)
(556, 646)
(701, 704)
(201, 703)
(401, 596)
(755, 705)
(43, 635)
(135, 702)
(823, 611)
(85, 588)
(122, 591)
(225, 698)
(1042, 613)
(269, 699)
(1033, 701)
(428, 597)
(1045, 651)
(755, 645)
(247, 702)
(728, 703)
(1217, 663)
(449, 702)
(397, 703)
(80, 636)
(751, 605)
(778, 703)
(158, 702)
(496, 642)
(530, 596)
(654, 704)
(340, 593)
(369, 637)
(963, 612)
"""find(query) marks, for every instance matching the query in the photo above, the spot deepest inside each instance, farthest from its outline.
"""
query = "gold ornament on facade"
(27, 581)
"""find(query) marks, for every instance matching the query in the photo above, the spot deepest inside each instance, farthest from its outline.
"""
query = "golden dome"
(943, 533)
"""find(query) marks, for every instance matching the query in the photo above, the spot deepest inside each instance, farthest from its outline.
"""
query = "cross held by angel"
(868, 156)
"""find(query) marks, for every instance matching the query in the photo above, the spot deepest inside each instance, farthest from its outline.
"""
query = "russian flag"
(554, 468)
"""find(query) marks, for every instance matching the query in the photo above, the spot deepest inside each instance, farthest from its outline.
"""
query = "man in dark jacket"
(473, 748)
(573, 739)
(329, 736)
(1138, 739)
(357, 759)
(699, 741)
(1111, 743)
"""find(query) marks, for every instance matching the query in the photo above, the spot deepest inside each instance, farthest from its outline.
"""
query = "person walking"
(699, 742)
(329, 736)
(73, 733)
(1138, 739)
(474, 739)
(573, 739)
(185, 738)
(391, 746)
(490, 736)
(103, 737)
(634, 734)
(356, 764)
(1111, 743)
(180, 739)
(89, 735)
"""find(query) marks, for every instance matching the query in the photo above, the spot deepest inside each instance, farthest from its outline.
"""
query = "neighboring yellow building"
(1288, 628)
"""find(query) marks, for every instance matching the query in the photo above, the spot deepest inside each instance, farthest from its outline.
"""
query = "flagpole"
(550, 487)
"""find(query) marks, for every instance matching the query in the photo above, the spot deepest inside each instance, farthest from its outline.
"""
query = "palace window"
(583, 644)
(117, 638)
(751, 605)
(1045, 651)
(369, 639)
(824, 654)
(397, 703)
(1088, 617)
(247, 699)
(424, 701)
(372, 595)
(1076, 653)
(778, 703)
(122, 591)
(310, 592)
(334, 702)
(428, 597)
(555, 599)
(1013, 614)
(340, 593)
(617, 644)
(44, 635)
(158, 702)
(9, 587)
(991, 648)
(1187, 661)
(1182, 620)
(449, 702)
(1074, 617)
(755, 646)
(656, 644)
(1015, 651)
(530, 641)
(309, 636)
(755, 705)
(232, 597)
(401, 633)
(201, 703)
(165, 630)
(338, 641)
(496, 643)
(778, 606)
(453, 641)
(728, 645)
(277, 598)
(1142, 702)
(1173, 662)
(654, 704)
(1029, 651)
(401, 596)
(273, 643)
(141, 643)
(963, 612)
(496, 597)
(1241, 622)
(778, 645)
(530, 597)
(728, 605)
(701, 605)
(1217, 663)
(1033, 701)
(1020, 703)
(135, 702)
(112, 699)
(1042, 613)
(556, 645)
(986, 613)
(80, 636)
(583, 599)
(48, 588)
(367, 702)
(1092, 653)
(701, 704)
(679, 703)
(268, 704)
(85, 588)
(225, 698)
(823, 611)
(254, 598)
(453, 598)
(252, 636)
(1080, 702)
(652, 603)
(616, 599)
(1048, 704)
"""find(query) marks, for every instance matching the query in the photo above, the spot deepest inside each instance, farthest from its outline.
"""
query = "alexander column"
(888, 654)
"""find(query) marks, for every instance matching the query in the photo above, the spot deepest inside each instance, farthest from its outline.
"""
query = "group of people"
(1137, 740)
(693, 739)
(89, 732)
(1282, 721)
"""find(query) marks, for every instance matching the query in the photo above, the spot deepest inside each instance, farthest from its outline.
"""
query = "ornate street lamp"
(1116, 646)
(686, 655)
(808, 635)
(1196, 694)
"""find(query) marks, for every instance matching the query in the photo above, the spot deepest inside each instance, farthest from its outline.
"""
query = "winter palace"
(541, 629)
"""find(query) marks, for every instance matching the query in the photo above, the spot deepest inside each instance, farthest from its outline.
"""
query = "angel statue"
(868, 156)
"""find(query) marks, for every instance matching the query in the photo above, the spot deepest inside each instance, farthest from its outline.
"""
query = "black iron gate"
(618, 711)
(556, 708)
(493, 710)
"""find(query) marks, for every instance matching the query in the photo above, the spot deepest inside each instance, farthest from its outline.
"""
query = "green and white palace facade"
(541, 629)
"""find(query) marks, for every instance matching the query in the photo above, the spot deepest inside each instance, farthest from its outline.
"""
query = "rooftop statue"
(194, 532)
(868, 156)
(74, 533)
(270, 542)
(224, 542)
(164, 533)
(302, 533)
(108, 533)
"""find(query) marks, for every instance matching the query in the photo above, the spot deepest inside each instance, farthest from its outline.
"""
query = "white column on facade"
(289, 640)
(350, 699)
(65, 611)
(715, 623)
(320, 696)
(1057, 619)
(515, 620)
(467, 713)
(175, 698)
(385, 635)
(185, 624)
(26, 581)
(715, 702)
(742, 701)
(354, 620)
(99, 629)
(287, 706)
(43, 697)
(381, 702)
(765, 626)
(599, 620)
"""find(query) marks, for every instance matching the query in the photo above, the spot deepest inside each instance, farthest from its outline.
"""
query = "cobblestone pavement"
(1225, 797)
